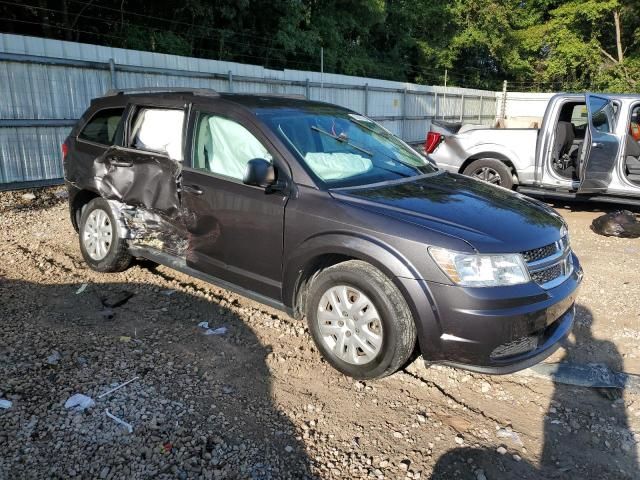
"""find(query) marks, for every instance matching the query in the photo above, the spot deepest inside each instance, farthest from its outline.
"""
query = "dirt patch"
(258, 401)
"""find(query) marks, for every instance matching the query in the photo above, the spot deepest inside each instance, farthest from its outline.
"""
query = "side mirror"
(259, 173)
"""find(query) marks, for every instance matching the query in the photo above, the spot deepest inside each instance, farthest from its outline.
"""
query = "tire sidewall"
(105, 264)
(372, 289)
(506, 176)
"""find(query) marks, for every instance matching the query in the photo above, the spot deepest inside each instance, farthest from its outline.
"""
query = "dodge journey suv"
(321, 212)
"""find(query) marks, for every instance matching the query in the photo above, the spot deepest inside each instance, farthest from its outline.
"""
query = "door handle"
(118, 162)
(597, 145)
(194, 189)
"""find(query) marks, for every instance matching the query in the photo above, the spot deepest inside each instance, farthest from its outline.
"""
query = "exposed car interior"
(569, 139)
(632, 148)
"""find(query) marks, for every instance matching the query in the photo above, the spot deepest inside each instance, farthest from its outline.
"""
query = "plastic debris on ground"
(591, 375)
(509, 434)
(5, 404)
(118, 387)
(82, 288)
(79, 402)
(212, 331)
(621, 223)
(116, 300)
(54, 358)
(126, 425)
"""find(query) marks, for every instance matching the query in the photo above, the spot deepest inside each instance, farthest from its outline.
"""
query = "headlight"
(471, 270)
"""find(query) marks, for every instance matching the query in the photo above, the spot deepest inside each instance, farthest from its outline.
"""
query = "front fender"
(382, 256)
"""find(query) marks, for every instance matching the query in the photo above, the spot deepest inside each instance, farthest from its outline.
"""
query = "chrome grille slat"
(549, 265)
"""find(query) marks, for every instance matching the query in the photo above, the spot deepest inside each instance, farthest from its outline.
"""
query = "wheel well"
(79, 201)
(311, 269)
(492, 155)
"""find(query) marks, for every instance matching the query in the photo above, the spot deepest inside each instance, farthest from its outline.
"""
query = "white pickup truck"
(586, 148)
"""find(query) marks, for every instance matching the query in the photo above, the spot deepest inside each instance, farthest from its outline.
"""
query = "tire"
(113, 255)
(375, 349)
(491, 171)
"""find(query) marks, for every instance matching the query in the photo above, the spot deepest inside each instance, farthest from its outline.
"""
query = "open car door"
(599, 153)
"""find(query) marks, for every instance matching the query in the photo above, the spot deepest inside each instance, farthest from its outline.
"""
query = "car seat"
(632, 161)
(562, 146)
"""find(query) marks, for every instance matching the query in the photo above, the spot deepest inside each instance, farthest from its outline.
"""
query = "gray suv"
(321, 212)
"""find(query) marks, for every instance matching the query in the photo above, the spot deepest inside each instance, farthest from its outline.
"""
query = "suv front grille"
(539, 253)
(550, 265)
(547, 275)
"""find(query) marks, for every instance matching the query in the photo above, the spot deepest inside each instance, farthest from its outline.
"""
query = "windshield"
(343, 149)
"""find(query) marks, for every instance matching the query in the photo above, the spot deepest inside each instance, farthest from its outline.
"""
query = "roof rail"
(295, 96)
(206, 92)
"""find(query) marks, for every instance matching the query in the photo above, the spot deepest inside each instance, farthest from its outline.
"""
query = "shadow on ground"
(202, 405)
(586, 430)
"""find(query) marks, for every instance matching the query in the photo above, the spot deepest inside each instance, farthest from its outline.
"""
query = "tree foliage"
(534, 44)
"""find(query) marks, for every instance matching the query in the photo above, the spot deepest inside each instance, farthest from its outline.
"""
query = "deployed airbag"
(336, 166)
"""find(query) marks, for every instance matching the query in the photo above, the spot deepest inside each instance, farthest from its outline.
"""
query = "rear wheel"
(101, 247)
(491, 171)
(359, 320)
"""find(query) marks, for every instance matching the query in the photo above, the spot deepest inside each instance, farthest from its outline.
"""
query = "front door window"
(224, 147)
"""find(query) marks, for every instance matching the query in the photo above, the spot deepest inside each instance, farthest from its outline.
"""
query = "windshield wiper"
(342, 139)
(389, 137)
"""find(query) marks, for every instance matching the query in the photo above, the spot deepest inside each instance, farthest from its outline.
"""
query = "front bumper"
(495, 330)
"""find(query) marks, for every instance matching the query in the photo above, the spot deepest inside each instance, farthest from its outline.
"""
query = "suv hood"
(491, 219)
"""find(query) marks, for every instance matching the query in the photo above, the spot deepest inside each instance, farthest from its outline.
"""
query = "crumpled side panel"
(149, 181)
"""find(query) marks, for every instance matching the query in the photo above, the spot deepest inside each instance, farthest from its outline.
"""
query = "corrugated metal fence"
(45, 85)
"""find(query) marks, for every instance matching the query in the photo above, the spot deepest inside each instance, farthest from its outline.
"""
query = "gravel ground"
(258, 401)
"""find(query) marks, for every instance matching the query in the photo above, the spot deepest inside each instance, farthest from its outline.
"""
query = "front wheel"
(359, 320)
(491, 171)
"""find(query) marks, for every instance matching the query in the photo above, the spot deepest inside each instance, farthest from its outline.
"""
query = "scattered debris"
(54, 358)
(116, 300)
(621, 223)
(5, 404)
(501, 450)
(82, 288)
(168, 292)
(510, 434)
(106, 313)
(212, 331)
(126, 425)
(28, 197)
(593, 375)
(79, 402)
(125, 338)
(166, 447)
(108, 392)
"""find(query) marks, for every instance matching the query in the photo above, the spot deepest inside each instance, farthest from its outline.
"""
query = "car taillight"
(65, 150)
(433, 140)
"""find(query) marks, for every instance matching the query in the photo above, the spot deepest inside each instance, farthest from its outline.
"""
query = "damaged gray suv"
(321, 212)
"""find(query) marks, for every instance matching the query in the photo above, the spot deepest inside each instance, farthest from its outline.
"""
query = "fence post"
(404, 114)
(435, 105)
(230, 79)
(480, 112)
(503, 109)
(112, 74)
(462, 108)
(308, 89)
(366, 99)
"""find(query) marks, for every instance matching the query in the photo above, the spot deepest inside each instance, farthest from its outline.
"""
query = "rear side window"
(158, 130)
(103, 126)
